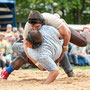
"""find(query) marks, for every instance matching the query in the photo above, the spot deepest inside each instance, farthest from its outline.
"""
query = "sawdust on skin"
(32, 80)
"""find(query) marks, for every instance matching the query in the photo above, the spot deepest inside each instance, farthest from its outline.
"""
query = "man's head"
(21, 29)
(9, 27)
(35, 20)
(35, 38)
(15, 29)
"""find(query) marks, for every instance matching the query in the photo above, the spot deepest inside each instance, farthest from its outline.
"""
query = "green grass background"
(74, 67)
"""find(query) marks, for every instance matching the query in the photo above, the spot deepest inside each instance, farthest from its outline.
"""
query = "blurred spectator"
(79, 53)
(8, 51)
(9, 30)
(7, 36)
(70, 45)
(2, 61)
(16, 36)
(20, 38)
(89, 48)
(15, 29)
(21, 30)
(3, 45)
(12, 40)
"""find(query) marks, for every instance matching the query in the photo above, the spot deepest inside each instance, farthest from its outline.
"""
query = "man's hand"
(52, 76)
(65, 48)
(60, 58)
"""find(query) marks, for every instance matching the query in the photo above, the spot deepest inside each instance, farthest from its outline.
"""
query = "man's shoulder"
(27, 24)
(45, 13)
(52, 20)
(48, 27)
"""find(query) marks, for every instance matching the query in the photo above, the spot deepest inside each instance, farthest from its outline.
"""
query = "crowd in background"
(7, 38)
(78, 56)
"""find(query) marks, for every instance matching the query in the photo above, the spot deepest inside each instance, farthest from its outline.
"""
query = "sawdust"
(32, 80)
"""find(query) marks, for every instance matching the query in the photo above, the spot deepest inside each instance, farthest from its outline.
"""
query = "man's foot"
(71, 74)
(4, 75)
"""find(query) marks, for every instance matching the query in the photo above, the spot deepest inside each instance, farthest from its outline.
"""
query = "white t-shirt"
(50, 49)
(50, 19)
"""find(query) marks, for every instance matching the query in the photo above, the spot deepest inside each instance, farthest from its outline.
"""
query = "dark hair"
(35, 38)
(35, 18)
(21, 37)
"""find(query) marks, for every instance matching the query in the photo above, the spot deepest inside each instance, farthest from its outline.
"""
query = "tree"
(73, 11)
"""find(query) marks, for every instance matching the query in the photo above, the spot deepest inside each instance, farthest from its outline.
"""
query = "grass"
(74, 67)
(81, 67)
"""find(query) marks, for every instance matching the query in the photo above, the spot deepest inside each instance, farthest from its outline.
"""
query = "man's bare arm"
(60, 24)
(52, 76)
(65, 32)
(26, 30)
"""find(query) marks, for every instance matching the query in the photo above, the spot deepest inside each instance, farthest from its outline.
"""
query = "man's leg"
(17, 63)
(86, 34)
(77, 38)
(67, 66)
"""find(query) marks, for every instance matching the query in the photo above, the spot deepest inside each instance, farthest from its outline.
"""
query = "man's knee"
(18, 63)
(19, 49)
(77, 38)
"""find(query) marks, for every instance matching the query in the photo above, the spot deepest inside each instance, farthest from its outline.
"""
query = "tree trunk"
(74, 16)
(62, 12)
(78, 16)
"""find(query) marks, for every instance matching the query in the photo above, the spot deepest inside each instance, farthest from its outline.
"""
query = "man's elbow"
(69, 32)
(64, 29)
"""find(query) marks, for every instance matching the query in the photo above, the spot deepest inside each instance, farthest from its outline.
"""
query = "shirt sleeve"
(26, 30)
(47, 63)
(52, 20)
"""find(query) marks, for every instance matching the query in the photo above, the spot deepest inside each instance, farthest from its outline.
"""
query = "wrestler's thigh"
(18, 48)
